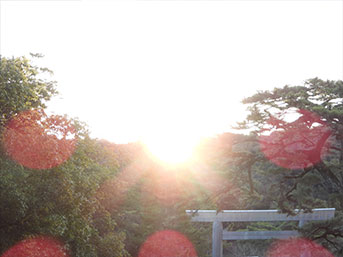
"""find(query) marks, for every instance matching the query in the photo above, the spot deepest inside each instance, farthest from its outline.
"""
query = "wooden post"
(306, 253)
(301, 223)
(217, 239)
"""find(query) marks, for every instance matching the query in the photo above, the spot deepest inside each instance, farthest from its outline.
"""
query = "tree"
(299, 131)
(146, 197)
(58, 184)
(23, 86)
(56, 196)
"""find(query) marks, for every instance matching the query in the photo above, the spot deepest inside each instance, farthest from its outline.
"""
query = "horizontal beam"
(256, 235)
(258, 215)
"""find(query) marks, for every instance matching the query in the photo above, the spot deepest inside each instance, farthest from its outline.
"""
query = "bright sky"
(149, 69)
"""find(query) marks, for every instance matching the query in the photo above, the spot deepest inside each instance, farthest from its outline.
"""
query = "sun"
(172, 148)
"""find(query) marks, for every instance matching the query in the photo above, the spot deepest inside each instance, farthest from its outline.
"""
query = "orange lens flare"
(38, 141)
(297, 247)
(37, 247)
(167, 243)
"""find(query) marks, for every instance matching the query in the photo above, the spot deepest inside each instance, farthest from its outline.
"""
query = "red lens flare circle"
(38, 141)
(167, 243)
(37, 247)
(298, 144)
(297, 247)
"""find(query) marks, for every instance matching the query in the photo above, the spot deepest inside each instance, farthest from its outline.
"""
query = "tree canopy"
(73, 195)
(23, 86)
(50, 172)
(299, 133)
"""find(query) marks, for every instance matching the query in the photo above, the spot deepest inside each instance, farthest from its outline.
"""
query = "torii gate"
(218, 234)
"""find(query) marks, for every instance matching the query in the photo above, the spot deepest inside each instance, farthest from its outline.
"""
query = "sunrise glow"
(172, 148)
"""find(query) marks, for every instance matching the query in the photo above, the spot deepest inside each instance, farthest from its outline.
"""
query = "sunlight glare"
(172, 148)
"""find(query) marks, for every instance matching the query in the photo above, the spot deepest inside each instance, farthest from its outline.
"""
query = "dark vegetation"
(107, 199)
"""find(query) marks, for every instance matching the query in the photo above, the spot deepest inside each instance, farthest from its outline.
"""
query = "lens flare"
(167, 243)
(38, 141)
(37, 247)
(167, 185)
(298, 144)
(297, 247)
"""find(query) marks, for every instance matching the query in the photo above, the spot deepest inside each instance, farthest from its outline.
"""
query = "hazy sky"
(143, 69)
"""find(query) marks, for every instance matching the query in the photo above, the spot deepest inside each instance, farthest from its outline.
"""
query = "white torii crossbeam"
(218, 234)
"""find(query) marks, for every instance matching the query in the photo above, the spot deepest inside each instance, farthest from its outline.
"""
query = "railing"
(218, 234)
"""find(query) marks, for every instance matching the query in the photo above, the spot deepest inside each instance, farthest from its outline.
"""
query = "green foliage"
(155, 201)
(59, 202)
(22, 86)
(106, 199)
(288, 115)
